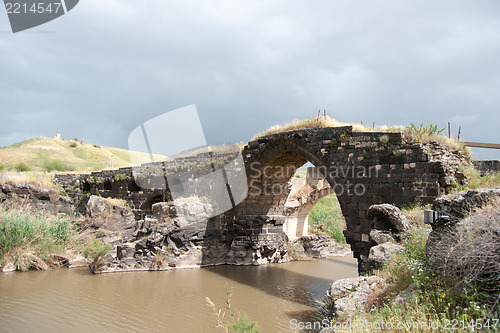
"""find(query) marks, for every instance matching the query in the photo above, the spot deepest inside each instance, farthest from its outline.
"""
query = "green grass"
(28, 240)
(326, 217)
(491, 180)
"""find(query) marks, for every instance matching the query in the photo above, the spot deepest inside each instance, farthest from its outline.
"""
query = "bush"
(30, 240)
(73, 144)
(55, 165)
(469, 255)
(22, 167)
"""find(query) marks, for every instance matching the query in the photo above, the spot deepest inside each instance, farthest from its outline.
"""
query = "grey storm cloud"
(101, 70)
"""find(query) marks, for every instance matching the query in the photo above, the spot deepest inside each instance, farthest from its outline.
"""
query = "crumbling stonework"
(363, 169)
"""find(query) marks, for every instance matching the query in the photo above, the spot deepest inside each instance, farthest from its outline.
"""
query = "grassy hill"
(45, 154)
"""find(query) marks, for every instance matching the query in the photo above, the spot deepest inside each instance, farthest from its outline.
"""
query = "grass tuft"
(32, 240)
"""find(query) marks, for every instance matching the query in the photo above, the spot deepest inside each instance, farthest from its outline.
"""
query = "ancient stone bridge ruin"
(361, 168)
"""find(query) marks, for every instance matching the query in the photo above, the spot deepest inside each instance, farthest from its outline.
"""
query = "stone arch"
(342, 158)
(148, 203)
(296, 217)
(268, 175)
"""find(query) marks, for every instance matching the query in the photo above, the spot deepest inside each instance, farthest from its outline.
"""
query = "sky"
(106, 67)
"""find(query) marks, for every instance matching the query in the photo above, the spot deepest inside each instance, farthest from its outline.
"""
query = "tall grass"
(476, 180)
(415, 133)
(31, 240)
(326, 218)
(232, 323)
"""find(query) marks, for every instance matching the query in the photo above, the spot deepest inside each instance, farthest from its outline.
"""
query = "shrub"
(73, 144)
(333, 143)
(469, 255)
(22, 167)
(55, 165)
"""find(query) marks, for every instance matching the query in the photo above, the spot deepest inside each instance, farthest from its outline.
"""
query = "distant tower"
(58, 136)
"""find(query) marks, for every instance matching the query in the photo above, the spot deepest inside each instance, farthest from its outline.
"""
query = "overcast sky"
(107, 66)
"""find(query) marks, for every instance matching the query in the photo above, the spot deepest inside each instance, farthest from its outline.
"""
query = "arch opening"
(148, 204)
(312, 207)
(285, 184)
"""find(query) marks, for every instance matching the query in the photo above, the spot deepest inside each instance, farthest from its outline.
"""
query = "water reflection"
(174, 301)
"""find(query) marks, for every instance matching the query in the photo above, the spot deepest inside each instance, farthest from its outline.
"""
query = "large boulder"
(380, 253)
(98, 206)
(320, 246)
(109, 215)
(381, 236)
(192, 210)
(350, 296)
(390, 219)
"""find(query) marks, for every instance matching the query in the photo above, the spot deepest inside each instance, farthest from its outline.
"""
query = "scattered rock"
(320, 246)
(350, 296)
(78, 261)
(381, 236)
(9, 267)
(405, 295)
(380, 253)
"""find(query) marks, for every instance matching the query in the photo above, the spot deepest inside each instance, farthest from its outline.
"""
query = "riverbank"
(41, 228)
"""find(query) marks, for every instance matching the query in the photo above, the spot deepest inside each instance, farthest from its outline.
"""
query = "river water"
(74, 300)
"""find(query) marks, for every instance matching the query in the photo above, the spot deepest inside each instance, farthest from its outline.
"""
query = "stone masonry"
(362, 168)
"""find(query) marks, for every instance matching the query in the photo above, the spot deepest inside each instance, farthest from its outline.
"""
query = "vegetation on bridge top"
(415, 133)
